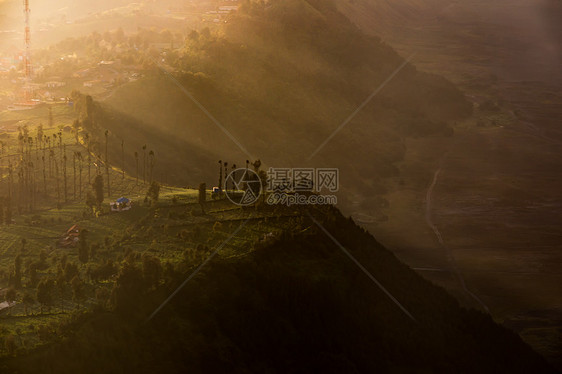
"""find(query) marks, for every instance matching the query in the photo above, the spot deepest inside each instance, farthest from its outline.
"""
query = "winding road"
(450, 257)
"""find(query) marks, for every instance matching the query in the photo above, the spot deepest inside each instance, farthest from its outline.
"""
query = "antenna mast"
(27, 55)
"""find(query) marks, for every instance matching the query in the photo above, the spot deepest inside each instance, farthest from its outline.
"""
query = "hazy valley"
(443, 120)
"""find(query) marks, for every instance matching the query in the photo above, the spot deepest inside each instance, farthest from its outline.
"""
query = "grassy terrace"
(175, 231)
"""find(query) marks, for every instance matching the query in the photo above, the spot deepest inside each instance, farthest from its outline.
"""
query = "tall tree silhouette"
(76, 129)
(83, 249)
(74, 173)
(98, 190)
(144, 163)
(233, 177)
(17, 271)
(220, 175)
(10, 179)
(64, 175)
(1, 155)
(122, 159)
(202, 196)
(225, 175)
(151, 162)
(137, 161)
(60, 142)
(44, 174)
(79, 158)
(40, 135)
(51, 158)
(87, 141)
(107, 163)
(58, 182)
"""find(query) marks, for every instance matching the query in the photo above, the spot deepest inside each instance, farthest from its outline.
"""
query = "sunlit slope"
(281, 79)
(55, 20)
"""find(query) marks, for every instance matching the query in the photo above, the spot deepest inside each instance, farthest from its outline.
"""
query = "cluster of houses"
(106, 74)
(10, 62)
(222, 11)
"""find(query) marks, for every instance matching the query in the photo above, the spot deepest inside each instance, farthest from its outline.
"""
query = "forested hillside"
(111, 261)
(294, 304)
(281, 78)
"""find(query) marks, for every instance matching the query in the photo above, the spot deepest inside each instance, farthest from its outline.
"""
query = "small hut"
(120, 204)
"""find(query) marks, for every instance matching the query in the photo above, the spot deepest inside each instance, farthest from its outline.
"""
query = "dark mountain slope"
(298, 305)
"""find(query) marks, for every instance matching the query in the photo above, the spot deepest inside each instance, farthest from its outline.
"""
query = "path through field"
(450, 256)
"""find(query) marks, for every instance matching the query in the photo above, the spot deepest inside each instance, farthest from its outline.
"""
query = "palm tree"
(233, 177)
(220, 175)
(79, 158)
(107, 163)
(151, 157)
(245, 176)
(64, 175)
(60, 140)
(98, 164)
(122, 159)
(51, 156)
(10, 178)
(27, 301)
(137, 161)
(87, 140)
(40, 135)
(61, 283)
(31, 185)
(225, 175)
(76, 129)
(58, 183)
(54, 142)
(44, 175)
(29, 146)
(74, 173)
(144, 163)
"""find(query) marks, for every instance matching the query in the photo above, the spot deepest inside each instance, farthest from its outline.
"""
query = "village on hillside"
(26, 73)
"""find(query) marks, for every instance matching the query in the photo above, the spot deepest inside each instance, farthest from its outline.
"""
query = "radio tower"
(27, 53)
